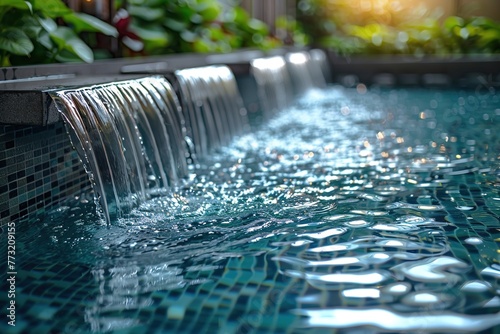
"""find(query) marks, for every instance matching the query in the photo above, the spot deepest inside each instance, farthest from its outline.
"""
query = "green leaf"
(66, 56)
(30, 26)
(153, 34)
(146, 13)
(453, 21)
(148, 3)
(15, 41)
(52, 8)
(84, 22)
(45, 41)
(48, 24)
(203, 46)
(489, 36)
(240, 16)
(19, 4)
(175, 25)
(258, 26)
(182, 12)
(188, 36)
(196, 18)
(66, 39)
(209, 10)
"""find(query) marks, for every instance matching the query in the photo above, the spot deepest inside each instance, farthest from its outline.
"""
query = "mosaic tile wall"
(38, 169)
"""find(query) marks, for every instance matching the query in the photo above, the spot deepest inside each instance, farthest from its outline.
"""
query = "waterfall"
(136, 138)
(273, 83)
(130, 138)
(279, 79)
(305, 71)
(212, 106)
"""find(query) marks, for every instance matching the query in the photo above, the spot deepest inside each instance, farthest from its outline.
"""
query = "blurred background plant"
(45, 31)
(173, 26)
(394, 27)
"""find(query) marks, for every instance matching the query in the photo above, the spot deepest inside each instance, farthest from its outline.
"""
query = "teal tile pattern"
(38, 169)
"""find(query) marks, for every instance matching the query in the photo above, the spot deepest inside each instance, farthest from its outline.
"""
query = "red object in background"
(121, 22)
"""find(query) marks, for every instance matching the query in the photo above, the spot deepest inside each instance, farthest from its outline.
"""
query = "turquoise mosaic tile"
(37, 173)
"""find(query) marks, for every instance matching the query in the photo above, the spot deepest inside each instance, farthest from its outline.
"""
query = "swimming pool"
(357, 209)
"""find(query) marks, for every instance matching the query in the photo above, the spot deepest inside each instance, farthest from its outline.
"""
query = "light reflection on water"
(376, 211)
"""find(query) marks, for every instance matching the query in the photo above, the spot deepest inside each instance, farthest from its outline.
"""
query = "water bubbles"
(418, 207)
(309, 299)
(429, 207)
(428, 300)
(465, 208)
(359, 223)
(473, 241)
(388, 190)
(332, 248)
(63, 209)
(324, 234)
(375, 258)
(492, 271)
(476, 286)
(340, 217)
(421, 298)
(361, 293)
(387, 320)
(361, 89)
(331, 281)
(397, 289)
(433, 270)
(370, 213)
(395, 227)
(300, 243)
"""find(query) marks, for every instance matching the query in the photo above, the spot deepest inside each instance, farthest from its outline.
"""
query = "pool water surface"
(355, 211)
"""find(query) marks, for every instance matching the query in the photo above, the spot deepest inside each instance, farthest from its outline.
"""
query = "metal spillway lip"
(27, 101)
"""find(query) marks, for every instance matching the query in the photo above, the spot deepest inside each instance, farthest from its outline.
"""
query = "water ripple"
(396, 322)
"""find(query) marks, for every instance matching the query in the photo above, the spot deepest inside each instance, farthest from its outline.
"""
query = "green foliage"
(292, 32)
(173, 26)
(454, 36)
(30, 34)
(347, 29)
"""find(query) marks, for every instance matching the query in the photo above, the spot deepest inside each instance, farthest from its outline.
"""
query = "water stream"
(129, 137)
(213, 107)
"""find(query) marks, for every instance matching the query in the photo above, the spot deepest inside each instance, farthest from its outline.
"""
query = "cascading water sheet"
(130, 137)
(212, 106)
(133, 137)
(273, 84)
(305, 72)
